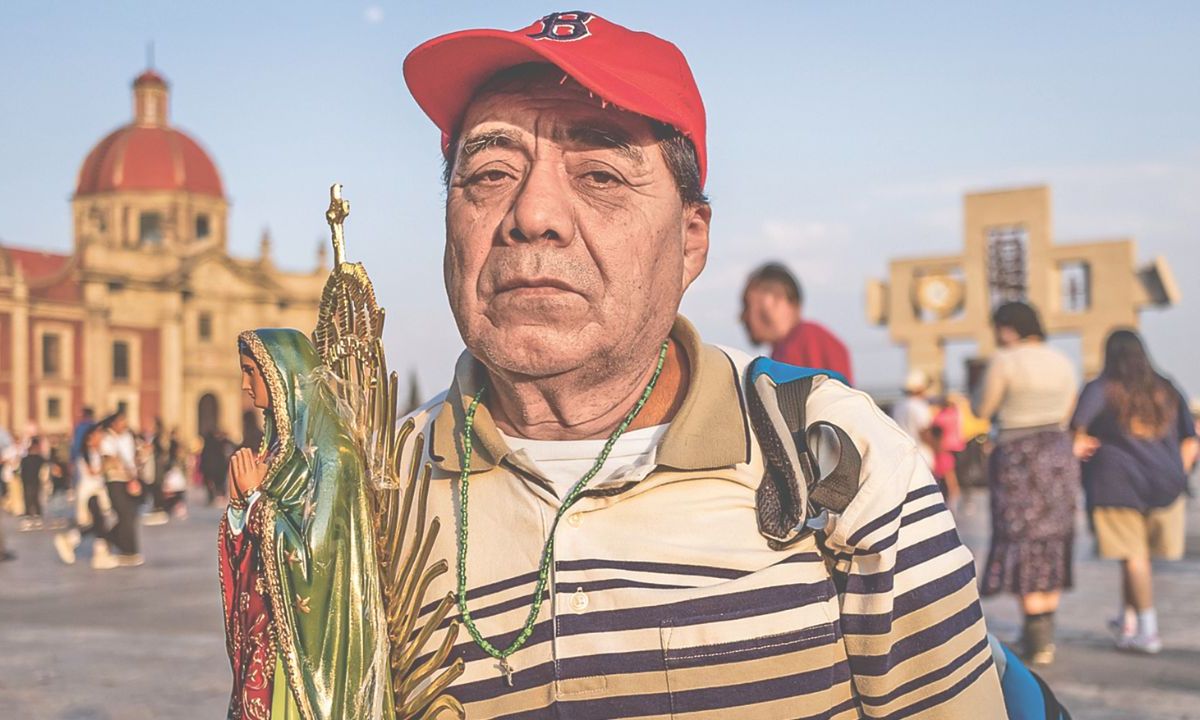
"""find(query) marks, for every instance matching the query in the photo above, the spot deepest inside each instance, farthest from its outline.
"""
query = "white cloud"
(373, 14)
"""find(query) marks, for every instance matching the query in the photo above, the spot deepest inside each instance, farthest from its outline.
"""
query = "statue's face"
(567, 243)
(253, 383)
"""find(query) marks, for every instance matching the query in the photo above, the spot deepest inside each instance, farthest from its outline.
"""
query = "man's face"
(567, 243)
(766, 314)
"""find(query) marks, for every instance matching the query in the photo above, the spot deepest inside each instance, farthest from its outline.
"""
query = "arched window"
(207, 414)
(150, 228)
(203, 228)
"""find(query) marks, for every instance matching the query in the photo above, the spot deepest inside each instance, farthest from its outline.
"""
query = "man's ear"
(697, 218)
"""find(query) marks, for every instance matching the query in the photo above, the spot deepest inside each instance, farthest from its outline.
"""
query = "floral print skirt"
(1035, 483)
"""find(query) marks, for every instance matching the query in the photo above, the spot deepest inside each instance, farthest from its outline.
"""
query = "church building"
(144, 313)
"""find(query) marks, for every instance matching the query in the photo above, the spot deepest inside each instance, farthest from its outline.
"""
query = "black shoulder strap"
(782, 496)
(808, 469)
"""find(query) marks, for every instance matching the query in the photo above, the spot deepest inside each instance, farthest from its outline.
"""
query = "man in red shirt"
(771, 308)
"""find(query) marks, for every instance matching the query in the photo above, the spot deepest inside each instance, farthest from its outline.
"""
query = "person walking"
(33, 476)
(87, 421)
(772, 313)
(946, 434)
(92, 507)
(1030, 389)
(214, 463)
(914, 414)
(175, 478)
(155, 460)
(118, 452)
(7, 454)
(1138, 442)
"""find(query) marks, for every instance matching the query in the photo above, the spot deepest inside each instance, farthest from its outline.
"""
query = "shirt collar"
(708, 431)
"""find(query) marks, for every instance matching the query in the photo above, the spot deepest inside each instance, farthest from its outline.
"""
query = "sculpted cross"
(1082, 289)
(337, 213)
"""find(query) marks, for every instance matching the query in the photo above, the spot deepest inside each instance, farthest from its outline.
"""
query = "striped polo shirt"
(664, 600)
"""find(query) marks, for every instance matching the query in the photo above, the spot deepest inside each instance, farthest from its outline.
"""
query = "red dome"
(149, 76)
(136, 157)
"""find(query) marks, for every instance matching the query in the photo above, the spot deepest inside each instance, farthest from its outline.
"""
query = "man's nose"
(541, 209)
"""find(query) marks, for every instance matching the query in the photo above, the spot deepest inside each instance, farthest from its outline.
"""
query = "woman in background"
(1137, 437)
(1030, 389)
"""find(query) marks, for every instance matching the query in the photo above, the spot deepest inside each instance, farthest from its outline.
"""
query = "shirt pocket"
(760, 658)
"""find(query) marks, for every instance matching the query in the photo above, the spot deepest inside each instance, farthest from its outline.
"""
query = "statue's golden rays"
(349, 337)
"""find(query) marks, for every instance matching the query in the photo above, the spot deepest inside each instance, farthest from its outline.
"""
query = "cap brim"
(444, 73)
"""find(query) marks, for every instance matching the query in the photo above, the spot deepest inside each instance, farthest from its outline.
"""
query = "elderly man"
(593, 457)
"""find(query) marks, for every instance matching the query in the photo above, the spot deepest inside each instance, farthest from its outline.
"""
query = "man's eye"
(489, 177)
(601, 178)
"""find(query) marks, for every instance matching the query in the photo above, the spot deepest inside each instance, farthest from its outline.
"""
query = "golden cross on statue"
(337, 213)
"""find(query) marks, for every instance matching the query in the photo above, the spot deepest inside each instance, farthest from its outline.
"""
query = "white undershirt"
(564, 462)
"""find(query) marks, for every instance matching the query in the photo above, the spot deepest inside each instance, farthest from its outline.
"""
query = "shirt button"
(575, 519)
(579, 601)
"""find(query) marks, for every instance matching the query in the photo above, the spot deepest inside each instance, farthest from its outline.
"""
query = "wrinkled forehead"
(548, 104)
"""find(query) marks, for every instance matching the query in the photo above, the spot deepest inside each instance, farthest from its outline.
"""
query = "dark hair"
(678, 151)
(1021, 317)
(109, 421)
(93, 430)
(1146, 402)
(88, 412)
(775, 275)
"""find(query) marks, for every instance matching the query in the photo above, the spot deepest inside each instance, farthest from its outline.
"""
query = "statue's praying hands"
(246, 471)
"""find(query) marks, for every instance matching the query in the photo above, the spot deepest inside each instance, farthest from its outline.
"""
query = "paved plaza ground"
(147, 643)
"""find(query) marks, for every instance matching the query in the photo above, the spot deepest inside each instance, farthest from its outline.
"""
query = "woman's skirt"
(1035, 483)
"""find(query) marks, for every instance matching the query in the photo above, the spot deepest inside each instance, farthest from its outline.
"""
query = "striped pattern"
(665, 601)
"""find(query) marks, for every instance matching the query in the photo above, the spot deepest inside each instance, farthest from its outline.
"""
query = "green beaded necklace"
(548, 547)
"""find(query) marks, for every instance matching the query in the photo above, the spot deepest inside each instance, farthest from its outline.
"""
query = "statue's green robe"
(304, 551)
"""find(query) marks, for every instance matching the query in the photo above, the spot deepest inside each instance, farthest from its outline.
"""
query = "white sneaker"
(130, 560)
(1121, 630)
(156, 517)
(1141, 643)
(65, 544)
(102, 559)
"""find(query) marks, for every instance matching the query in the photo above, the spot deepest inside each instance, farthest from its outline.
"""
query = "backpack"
(812, 470)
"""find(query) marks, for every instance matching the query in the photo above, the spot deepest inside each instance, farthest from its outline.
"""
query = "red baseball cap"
(633, 70)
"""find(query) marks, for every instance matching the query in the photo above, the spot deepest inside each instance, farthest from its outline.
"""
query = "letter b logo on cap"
(564, 26)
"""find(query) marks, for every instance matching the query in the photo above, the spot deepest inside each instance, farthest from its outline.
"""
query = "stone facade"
(146, 310)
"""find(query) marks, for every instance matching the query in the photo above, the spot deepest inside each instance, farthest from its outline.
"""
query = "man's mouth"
(534, 286)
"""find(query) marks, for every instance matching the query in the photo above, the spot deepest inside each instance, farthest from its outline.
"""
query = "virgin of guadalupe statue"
(321, 570)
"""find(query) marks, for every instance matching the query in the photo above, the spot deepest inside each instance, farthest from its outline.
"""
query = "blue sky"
(840, 135)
